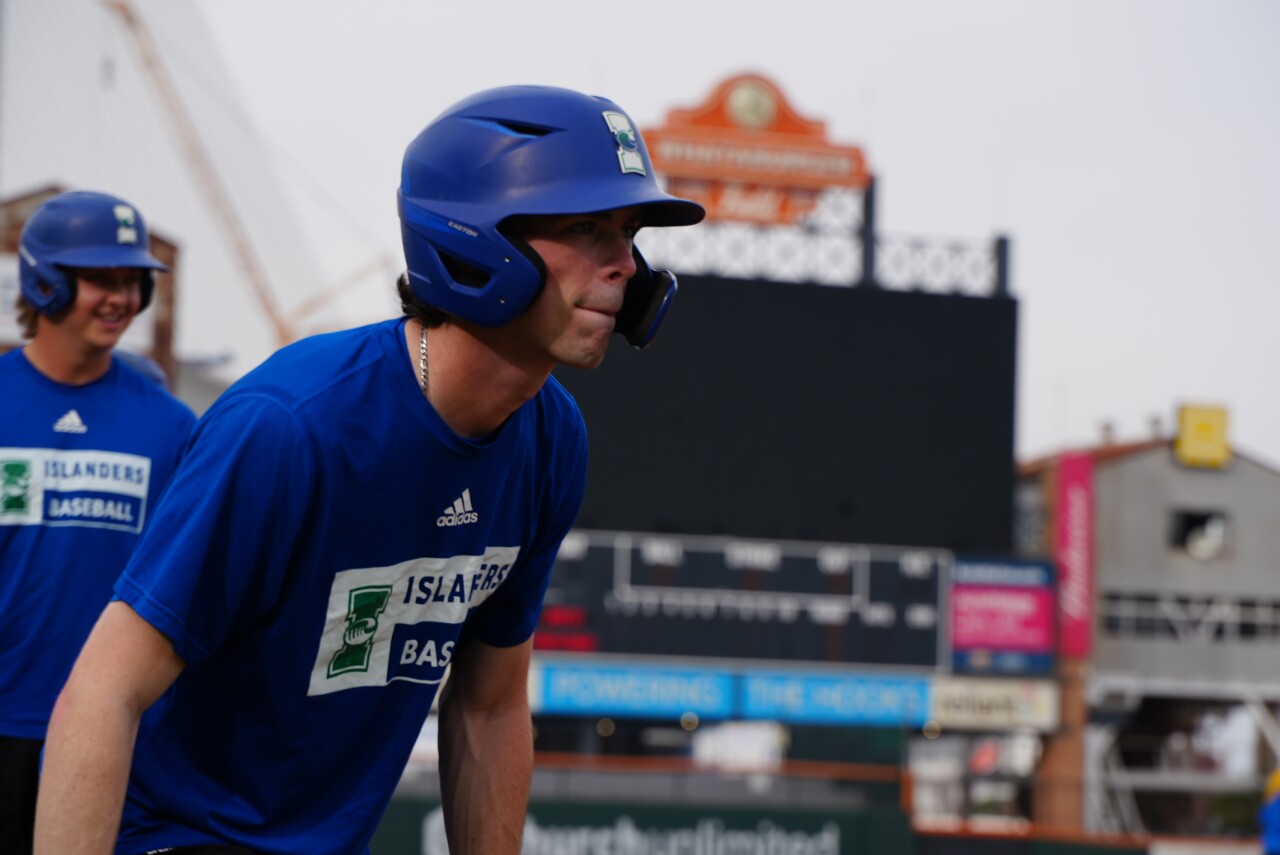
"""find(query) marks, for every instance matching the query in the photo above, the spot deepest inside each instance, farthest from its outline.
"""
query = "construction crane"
(215, 193)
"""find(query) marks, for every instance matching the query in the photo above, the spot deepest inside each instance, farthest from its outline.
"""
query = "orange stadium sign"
(745, 154)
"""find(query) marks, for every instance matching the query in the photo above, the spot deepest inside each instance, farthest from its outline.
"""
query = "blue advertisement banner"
(1004, 572)
(1003, 663)
(618, 691)
(824, 699)
(801, 697)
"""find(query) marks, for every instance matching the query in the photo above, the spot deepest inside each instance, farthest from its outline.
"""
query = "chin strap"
(647, 300)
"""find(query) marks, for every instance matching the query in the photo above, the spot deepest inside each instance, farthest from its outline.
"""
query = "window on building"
(1201, 534)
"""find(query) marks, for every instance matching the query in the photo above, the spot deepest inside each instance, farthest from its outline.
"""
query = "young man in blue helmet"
(86, 445)
(368, 509)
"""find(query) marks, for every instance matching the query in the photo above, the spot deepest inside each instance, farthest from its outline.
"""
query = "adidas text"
(451, 519)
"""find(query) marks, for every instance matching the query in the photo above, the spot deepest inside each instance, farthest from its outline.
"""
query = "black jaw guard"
(647, 300)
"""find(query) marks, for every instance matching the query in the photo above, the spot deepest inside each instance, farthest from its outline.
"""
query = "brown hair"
(413, 307)
(27, 316)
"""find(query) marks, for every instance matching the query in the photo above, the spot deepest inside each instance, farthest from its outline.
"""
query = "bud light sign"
(1073, 550)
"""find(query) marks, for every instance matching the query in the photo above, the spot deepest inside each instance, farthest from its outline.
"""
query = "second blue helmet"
(81, 229)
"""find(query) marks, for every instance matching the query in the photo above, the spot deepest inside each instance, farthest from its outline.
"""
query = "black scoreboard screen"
(658, 595)
(808, 412)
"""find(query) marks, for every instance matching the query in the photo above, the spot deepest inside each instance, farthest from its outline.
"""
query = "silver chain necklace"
(422, 359)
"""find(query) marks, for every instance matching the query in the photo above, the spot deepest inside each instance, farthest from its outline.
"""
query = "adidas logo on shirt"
(70, 423)
(459, 513)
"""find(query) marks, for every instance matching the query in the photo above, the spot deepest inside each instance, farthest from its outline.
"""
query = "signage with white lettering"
(621, 691)
(1074, 552)
(1002, 616)
(971, 704)
(745, 154)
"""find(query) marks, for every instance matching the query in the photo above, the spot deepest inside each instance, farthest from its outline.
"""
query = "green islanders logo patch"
(627, 140)
(15, 487)
(65, 487)
(362, 624)
(401, 623)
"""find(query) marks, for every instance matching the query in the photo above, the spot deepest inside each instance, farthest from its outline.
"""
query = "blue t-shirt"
(1269, 824)
(81, 469)
(324, 548)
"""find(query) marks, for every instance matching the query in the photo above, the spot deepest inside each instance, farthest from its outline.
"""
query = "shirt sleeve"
(218, 548)
(165, 459)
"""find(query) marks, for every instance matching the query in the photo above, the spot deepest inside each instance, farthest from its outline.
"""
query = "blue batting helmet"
(522, 150)
(80, 229)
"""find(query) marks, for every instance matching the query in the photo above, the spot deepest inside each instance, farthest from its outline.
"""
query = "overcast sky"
(1128, 147)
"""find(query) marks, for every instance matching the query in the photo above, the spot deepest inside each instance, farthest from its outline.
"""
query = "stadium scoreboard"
(745, 598)
(808, 413)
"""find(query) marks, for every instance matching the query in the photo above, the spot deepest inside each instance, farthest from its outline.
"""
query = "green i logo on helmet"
(629, 159)
(126, 224)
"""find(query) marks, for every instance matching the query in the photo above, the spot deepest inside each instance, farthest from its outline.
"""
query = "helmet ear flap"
(486, 283)
(146, 288)
(47, 287)
(530, 255)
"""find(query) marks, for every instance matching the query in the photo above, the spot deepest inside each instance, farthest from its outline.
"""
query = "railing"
(936, 807)
(628, 778)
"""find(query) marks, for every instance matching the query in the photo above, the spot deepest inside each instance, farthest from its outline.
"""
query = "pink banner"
(1074, 553)
(1002, 618)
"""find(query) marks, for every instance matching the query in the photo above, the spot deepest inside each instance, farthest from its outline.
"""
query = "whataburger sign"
(746, 155)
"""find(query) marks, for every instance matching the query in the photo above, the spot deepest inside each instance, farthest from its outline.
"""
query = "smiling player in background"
(87, 443)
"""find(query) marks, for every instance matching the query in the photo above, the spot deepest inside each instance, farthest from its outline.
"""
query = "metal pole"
(1002, 266)
(867, 234)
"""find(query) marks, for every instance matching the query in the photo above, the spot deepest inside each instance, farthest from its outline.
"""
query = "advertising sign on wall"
(594, 827)
(822, 699)
(1002, 616)
(632, 691)
(969, 704)
(1073, 550)
(1202, 437)
(792, 696)
(745, 154)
